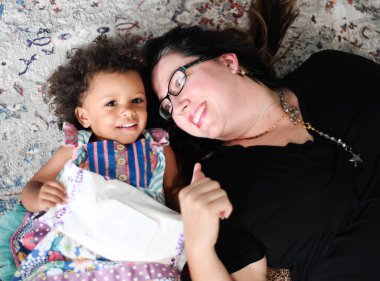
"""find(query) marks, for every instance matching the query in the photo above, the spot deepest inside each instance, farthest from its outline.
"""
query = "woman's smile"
(198, 115)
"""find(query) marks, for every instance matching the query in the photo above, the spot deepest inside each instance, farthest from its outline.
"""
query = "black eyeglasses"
(176, 84)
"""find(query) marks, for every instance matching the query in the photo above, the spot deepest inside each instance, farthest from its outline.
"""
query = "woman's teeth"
(198, 114)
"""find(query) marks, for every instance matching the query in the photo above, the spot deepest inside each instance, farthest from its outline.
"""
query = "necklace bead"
(293, 113)
(270, 129)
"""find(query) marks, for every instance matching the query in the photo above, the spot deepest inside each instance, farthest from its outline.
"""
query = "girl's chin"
(128, 140)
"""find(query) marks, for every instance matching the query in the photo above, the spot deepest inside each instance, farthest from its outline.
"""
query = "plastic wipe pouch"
(117, 221)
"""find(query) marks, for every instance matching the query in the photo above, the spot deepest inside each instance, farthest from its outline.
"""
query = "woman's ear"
(230, 60)
(82, 116)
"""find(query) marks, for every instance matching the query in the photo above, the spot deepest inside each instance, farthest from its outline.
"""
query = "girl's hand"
(202, 203)
(51, 193)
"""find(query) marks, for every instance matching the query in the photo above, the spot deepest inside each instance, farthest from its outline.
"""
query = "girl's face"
(208, 103)
(114, 107)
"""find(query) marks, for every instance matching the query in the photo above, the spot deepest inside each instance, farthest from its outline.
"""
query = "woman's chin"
(213, 133)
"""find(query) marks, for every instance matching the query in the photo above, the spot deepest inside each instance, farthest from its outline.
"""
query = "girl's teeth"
(126, 126)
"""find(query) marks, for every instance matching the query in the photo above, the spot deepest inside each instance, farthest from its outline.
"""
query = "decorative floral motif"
(82, 265)
(55, 256)
(159, 139)
(29, 242)
(71, 134)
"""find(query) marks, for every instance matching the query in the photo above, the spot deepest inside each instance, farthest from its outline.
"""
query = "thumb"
(197, 173)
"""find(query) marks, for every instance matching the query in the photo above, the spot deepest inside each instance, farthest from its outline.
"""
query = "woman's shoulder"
(329, 54)
(336, 59)
(334, 65)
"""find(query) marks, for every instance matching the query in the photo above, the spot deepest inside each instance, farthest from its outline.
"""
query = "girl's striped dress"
(140, 164)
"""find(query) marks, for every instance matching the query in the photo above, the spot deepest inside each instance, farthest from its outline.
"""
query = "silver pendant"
(293, 113)
(355, 159)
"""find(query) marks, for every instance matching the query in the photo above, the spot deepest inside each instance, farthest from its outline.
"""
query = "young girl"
(100, 91)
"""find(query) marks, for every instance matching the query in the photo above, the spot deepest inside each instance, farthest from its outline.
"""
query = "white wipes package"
(117, 221)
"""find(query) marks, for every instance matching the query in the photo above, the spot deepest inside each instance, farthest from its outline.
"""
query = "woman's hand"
(202, 203)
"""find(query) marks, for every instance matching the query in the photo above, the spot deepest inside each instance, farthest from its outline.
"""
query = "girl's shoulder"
(158, 135)
(75, 137)
(64, 151)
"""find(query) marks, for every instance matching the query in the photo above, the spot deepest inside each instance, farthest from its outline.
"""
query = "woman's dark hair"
(68, 84)
(255, 49)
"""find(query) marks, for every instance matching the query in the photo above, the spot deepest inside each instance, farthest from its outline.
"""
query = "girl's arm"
(171, 187)
(43, 190)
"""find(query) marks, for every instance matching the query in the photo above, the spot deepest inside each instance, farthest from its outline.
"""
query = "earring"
(241, 72)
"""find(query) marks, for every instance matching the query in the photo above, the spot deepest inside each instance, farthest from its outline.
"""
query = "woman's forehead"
(166, 67)
(175, 60)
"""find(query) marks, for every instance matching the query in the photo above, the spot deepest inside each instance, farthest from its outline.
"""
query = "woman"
(297, 158)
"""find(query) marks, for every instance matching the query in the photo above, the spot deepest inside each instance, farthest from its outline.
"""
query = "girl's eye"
(137, 100)
(111, 103)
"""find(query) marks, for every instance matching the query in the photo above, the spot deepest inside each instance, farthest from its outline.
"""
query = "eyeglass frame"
(183, 70)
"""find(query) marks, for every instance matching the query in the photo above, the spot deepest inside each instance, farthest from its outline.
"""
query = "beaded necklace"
(293, 113)
(270, 129)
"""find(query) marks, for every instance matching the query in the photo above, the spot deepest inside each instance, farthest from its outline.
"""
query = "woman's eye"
(111, 103)
(177, 82)
(137, 100)
(180, 81)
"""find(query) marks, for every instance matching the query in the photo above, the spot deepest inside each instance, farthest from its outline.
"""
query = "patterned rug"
(37, 36)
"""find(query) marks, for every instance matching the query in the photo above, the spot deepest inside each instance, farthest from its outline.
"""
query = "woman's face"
(207, 104)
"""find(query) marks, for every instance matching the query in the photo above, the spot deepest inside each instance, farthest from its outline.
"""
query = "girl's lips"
(127, 126)
(197, 116)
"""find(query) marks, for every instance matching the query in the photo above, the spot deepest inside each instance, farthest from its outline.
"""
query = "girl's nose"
(128, 111)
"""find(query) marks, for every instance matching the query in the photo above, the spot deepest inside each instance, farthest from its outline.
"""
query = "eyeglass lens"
(177, 82)
(166, 108)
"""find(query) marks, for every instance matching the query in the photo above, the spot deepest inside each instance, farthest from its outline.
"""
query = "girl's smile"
(114, 107)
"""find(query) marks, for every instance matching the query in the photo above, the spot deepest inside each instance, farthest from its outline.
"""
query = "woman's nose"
(180, 104)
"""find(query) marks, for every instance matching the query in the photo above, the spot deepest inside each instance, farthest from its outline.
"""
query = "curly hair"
(68, 84)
